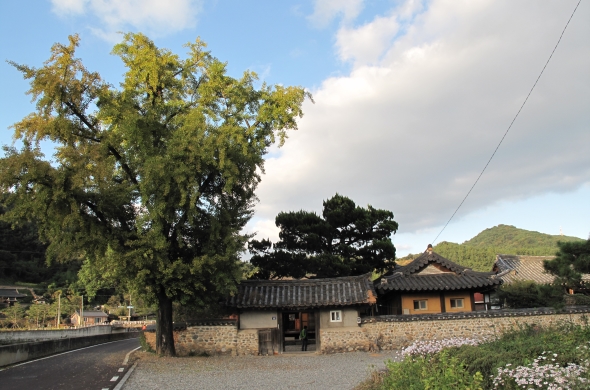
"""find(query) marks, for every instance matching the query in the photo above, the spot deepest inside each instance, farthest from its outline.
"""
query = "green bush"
(528, 294)
(438, 372)
(145, 346)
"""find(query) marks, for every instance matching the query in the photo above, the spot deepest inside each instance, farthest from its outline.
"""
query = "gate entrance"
(292, 323)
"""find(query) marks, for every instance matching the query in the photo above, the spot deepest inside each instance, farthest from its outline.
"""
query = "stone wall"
(347, 339)
(374, 333)
(213, 339)
(394, 332)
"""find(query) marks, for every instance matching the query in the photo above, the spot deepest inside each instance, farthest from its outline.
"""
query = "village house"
(9, 296)
(511, 268)
(91, 317)
(279, 309)
(432, 284)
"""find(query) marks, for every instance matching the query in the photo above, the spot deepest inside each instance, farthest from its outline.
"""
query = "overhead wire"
(510, 126)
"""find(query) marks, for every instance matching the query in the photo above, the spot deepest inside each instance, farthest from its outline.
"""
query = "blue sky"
(411, 98)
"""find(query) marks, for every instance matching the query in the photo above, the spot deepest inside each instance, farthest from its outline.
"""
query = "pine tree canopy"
(346, 240)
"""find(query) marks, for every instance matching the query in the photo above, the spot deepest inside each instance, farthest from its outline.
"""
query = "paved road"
(87, 368)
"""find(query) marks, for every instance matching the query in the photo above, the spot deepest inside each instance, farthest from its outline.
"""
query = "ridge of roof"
(296, 281)
(430, 257)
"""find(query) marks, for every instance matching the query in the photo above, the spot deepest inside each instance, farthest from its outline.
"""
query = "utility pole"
(58, 309)
(82, 311)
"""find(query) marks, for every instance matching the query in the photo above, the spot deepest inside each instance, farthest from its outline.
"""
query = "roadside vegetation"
(530, 357)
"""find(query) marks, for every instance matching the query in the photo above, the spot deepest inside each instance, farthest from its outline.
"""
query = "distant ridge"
(479, 253)
(510, 237)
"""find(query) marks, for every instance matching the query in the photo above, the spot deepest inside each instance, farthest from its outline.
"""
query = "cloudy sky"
(411, 99)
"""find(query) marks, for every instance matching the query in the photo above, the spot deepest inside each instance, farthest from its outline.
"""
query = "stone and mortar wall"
(394, 332)
(375, 333)
(212, 340)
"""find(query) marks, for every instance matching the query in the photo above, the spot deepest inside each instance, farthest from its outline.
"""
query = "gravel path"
(289, 371)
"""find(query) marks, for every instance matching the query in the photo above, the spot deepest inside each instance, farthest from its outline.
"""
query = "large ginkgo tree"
(152, 180)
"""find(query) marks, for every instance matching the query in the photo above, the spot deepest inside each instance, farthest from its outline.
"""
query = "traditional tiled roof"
(305, 293)
(432, 272)
(512, 267)
(93, 313)
(10, 293)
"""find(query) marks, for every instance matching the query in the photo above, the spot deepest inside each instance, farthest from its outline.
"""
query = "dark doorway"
(293, 322)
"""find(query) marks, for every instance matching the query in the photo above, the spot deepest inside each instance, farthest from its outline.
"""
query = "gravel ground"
(288, 371)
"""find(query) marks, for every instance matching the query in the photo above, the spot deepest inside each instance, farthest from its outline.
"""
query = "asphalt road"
(87, 368)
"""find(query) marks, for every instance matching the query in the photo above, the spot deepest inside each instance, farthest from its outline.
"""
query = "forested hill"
(479, 253)
(510, 237)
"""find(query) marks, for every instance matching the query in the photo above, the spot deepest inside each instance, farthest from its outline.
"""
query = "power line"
(511, 123)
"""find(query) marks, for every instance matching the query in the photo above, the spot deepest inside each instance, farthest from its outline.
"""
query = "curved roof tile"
(447, 276)
(306, 293)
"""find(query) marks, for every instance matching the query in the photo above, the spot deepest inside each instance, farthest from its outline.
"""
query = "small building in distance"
(432, 284)
(9, 296)
(91, 317)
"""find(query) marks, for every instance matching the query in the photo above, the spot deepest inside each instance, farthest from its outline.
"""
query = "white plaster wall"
(349, 317)
(259, 319)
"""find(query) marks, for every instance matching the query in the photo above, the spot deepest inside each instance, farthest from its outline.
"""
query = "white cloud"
(325, 11)
(366, 43)
(155, 17)
(68, 7)
(410, 128)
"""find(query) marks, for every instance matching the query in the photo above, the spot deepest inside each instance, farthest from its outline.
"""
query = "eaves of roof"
(438, 282)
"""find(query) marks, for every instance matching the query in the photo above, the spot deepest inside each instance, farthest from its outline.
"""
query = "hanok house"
(279, 309)
(511, 268)
(432, 284)
(9, 296)
(91, 317)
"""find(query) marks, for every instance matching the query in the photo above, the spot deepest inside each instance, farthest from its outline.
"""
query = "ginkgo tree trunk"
(152, 180)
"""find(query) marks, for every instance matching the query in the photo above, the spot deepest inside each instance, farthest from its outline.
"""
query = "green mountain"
(510, 237)
(479, 253)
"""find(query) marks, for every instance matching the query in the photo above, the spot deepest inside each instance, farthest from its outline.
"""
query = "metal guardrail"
(130, 323)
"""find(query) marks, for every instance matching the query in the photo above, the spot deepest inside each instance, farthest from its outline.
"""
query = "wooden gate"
(269, 341)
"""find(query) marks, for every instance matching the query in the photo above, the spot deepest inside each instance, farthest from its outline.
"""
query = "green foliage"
(345, 240)
(153, 181)
(14, 316)
(478, 259)
(438, 372)
(513, 239)
(521, 346)
(473, 367)
(572, 260)
(145, 346)
(526, 293)
(37, 315)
